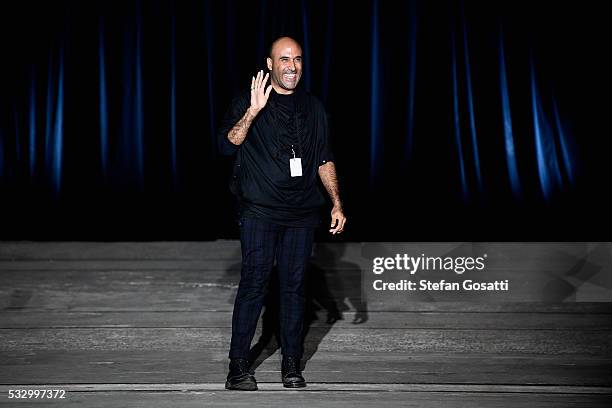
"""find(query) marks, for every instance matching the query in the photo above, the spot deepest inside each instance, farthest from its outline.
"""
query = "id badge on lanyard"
(295, 165)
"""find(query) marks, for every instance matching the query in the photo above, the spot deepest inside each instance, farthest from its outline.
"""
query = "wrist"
(253, 111)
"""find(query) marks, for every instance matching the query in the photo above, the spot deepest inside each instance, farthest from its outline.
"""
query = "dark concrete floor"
(148, 324)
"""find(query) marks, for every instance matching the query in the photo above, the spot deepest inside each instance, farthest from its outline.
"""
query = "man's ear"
(269, 63)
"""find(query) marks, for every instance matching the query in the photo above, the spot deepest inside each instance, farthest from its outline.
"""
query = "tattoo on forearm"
(327, 173)
(238, 133)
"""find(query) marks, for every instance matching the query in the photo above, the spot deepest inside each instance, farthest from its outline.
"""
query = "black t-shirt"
(262, 178)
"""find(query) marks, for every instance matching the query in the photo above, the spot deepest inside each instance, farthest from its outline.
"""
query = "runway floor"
(148, 324)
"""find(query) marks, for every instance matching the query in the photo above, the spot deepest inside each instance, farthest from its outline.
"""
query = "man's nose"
(292, 65)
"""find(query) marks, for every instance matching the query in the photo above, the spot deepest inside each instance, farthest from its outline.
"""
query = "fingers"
(255, 82)
(265, 80)
(259, 81)
(340, 227)
(268, 90)
(342, 222)
(339, 222)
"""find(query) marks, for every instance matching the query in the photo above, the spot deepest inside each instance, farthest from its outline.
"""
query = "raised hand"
(259, 98)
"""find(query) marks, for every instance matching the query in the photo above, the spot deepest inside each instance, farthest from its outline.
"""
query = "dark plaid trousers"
(262, 243)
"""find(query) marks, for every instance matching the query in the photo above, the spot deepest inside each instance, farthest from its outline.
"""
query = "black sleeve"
(324, 149)
(234, 113)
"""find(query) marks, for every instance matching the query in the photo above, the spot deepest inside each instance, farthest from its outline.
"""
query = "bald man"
(280, 136)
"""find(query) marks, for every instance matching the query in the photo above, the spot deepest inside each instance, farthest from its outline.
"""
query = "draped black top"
(262, 178)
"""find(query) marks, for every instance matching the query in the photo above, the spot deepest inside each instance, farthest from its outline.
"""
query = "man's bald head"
(285, 64)
(283, 41)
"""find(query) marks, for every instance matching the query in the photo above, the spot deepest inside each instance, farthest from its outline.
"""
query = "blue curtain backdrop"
(450, 120)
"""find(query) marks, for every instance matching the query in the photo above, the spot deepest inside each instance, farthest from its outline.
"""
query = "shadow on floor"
(332, 287)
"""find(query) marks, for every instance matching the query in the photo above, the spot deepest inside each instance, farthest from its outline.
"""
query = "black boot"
(239, 376)
(292, 375)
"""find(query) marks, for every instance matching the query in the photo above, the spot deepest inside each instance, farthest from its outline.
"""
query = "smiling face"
(285, 65)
